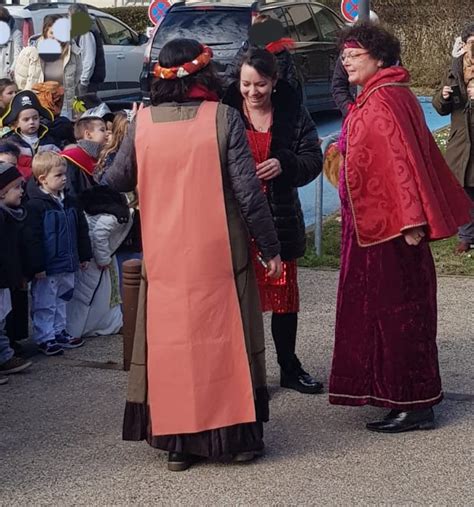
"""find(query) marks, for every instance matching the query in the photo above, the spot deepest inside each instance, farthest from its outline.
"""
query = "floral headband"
(185, 69)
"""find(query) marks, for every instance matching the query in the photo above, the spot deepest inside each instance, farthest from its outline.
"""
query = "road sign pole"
(364, 10)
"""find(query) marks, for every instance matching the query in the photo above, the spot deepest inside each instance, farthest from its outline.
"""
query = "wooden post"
(131, 270)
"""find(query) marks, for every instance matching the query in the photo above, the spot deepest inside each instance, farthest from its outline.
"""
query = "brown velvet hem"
(218, 443)
(334, 399)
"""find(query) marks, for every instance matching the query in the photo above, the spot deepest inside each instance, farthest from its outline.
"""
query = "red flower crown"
(184, 69)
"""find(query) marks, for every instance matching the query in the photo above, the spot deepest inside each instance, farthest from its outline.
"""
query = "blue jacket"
(55, 235)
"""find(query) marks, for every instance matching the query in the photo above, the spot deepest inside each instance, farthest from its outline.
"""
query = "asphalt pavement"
(60, 431)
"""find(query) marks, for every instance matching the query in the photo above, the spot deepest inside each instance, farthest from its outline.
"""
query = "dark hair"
(84, 124)
(9, 147)
(262, 61)
(48, 22)
(5, 83)
(467, 31)
(177, 52)
(380, 43)
(75, 8)
(5, 14)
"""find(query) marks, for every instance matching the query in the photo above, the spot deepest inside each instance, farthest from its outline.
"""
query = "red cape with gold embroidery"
(396, 176)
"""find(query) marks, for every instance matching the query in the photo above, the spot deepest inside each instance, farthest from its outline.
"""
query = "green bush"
(426, 29)
(134, 17)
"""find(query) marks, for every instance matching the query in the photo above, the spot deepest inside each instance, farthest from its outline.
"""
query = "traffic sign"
(350, 9)
(157, 10)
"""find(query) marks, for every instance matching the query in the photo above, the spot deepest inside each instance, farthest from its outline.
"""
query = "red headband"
(185, 69)
(353, 44)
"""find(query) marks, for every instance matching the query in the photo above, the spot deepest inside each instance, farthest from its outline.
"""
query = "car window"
(279, 15)
(328, 23)
(214, 27)
(304, 23)
(116, 33)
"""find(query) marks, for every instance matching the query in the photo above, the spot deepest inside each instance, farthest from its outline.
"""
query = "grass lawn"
(447, 263)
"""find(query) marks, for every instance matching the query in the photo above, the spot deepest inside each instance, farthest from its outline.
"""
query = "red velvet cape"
(80, 158)
(396, 176)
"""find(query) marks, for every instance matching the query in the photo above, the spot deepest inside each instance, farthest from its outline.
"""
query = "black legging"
(284, 328)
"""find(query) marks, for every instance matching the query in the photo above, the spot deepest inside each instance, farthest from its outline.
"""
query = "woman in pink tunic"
(197, 383)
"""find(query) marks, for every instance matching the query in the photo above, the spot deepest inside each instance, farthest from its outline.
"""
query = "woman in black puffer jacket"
(287, 152)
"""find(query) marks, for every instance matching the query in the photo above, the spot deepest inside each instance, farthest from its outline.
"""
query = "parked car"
(123, 47)
(224, 26)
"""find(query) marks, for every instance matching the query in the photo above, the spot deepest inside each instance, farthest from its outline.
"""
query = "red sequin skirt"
(280, 295)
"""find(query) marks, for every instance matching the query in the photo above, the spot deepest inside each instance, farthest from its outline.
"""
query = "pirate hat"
(21, 101)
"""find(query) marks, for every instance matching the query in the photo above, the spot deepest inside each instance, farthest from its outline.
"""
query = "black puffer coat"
(295, 143)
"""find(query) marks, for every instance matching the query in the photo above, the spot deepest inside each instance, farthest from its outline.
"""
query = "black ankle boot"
(397, 422)
(179, 462)
(301, 381)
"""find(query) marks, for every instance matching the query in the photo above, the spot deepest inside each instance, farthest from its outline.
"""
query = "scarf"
(200, 92)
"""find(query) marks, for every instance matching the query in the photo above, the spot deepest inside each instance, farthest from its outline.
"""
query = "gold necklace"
(259, 129)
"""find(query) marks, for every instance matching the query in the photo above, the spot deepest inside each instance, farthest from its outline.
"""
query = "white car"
(123, 47)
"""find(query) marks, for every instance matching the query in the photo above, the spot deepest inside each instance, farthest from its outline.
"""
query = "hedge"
(426, 29)
(135, 17)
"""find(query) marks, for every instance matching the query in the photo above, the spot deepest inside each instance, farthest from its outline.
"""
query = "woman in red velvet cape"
(397, 194)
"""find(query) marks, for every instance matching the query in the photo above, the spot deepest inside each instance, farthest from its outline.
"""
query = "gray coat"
(460, 150)
(9, 53)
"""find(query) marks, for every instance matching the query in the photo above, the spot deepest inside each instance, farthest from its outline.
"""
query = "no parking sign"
(157, 10)
(350, 9)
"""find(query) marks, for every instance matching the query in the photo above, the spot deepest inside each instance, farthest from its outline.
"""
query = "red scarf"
(280, 45)
(200, 92)
(396, 176)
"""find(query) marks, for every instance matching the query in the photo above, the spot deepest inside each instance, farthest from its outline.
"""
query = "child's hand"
(41, 275)
(84, 265)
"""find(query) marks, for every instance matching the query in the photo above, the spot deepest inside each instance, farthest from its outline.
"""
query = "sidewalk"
(60, 431)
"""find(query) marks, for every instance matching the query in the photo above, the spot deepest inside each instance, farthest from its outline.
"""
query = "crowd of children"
(64, 232)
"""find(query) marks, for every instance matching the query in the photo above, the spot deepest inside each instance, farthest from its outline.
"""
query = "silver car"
(123, 47)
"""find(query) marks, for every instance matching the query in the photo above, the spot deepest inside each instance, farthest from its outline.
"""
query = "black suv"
(224, 26)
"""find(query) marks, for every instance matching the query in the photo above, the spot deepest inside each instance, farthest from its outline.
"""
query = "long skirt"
(385, 350)
(218, 443)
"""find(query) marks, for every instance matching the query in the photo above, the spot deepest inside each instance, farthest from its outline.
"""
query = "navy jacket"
(55, 235)
(10, 260)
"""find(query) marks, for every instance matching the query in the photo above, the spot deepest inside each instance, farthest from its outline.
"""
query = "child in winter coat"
(11, 216)
(90, 133)
(131, 248)
(17, 320)
(23, 116)
(56, 244)
(94, 309)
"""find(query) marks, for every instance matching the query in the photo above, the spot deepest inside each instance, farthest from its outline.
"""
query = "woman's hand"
(414, 236)
(274, 267)
(269, 169)
(446, 93)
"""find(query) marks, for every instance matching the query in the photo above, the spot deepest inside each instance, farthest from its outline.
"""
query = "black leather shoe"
(303, 383)
(179, 462)
(397, 422)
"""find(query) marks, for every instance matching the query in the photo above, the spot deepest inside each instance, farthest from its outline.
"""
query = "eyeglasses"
(352, 56)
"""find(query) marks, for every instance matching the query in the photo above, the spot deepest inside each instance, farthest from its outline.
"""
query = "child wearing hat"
(56, 239)
(17, 320)
(11, 217)
(23, 117)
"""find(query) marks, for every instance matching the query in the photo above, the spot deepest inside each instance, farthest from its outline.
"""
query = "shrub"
(134, 17)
